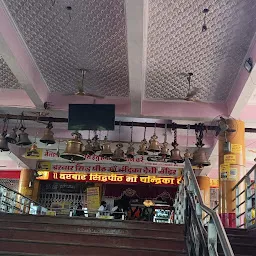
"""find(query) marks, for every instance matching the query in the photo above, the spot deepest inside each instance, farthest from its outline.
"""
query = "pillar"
(204, 185)
(26, 177)
(231, 169)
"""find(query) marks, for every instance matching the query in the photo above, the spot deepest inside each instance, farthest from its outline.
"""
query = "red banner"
(109, 178)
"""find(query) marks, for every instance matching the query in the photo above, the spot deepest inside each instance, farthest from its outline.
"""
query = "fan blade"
(193, 92)
(94, 95)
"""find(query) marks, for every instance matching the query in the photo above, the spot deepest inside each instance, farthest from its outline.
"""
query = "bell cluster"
(76, 150)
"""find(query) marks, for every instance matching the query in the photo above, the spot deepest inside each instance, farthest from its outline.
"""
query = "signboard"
(34, 155)
(230, 159)
(93, 198)
(214, 183)
(224, 170)
(108, 168)
(236, 148)
(233, 174)
(113, 178)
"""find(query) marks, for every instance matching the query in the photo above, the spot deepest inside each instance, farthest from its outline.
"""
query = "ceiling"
(137, 53)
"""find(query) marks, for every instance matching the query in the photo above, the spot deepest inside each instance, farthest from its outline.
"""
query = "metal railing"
(189, 208)
(12, 201)
(245, 200)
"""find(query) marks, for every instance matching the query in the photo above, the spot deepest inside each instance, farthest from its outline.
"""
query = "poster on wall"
(229, 159)
(93, 199)
(236, 148)
(224, 170)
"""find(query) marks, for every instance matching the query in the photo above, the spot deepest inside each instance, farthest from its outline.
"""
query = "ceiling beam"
(136, 23)
(19, 59)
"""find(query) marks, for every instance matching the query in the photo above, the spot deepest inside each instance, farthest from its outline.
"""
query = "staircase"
(243, 242)
(46, 235)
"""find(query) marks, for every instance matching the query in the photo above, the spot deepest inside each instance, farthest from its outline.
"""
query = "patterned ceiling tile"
(176, 44)
(92, 35)
(7, 78)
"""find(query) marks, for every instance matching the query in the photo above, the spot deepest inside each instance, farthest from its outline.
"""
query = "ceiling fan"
(81, 90)
(192, 92)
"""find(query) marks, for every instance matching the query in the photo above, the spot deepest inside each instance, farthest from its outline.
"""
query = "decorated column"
(204, 185)
(28, 186)
(231, 169)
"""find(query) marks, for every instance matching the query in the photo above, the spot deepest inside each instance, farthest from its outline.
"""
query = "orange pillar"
(204, 185)
(231, 169)
(27, 185)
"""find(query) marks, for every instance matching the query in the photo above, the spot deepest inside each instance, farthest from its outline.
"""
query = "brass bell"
(3, 143)
(130, 153)
(175, 156)
(23, 139)
(154, 145)
(33, 150)
(73, 151)
(200, 158)
(106, 148)
(188, 154)
(118, 155)
(11, 138)
(88, 149)
(143, 148)
(96, 143)
(164, 150)
(48, 135)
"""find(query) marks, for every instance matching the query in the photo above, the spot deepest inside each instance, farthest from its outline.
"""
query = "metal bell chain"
(165, 133)
(188, 128)
(131, 132)
(155, 129)
(119, 132)
(145, 128)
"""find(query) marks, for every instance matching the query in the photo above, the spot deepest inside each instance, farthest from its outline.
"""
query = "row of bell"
(22, 138)
(75, 151)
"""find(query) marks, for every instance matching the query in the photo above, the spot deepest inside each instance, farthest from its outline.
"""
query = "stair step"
(94, 230)
(30, 246)
(91, 222)
(241, 249)
(102, 239)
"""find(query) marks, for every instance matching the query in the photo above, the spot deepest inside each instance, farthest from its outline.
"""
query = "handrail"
(12, 201)
(16, 192)
(244, 177)
(189, 190)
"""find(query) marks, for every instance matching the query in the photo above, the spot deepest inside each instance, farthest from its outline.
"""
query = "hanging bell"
(188, 154)
(48, 135)
(88, 149)
(33, 150)
(23, 139)
(130, 153)
(118, 155)
(175, 154)
(143, 148)
(96, 143)
(164, 150)
(200, 158)
(73, 151)
(11, 138)
(3, 143)
(154, 145)
(106, 149)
